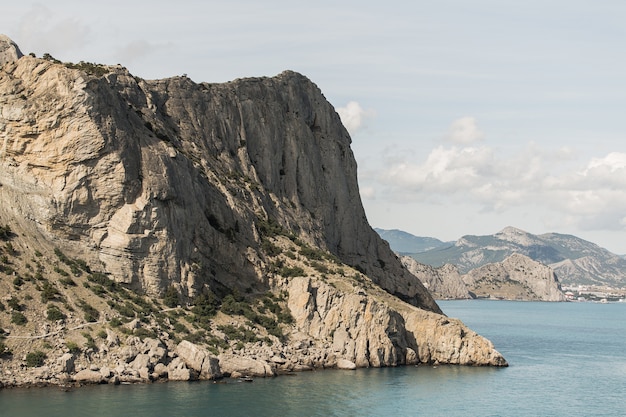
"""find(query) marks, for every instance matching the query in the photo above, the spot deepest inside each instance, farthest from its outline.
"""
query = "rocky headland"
(516, 278)
(172, 230)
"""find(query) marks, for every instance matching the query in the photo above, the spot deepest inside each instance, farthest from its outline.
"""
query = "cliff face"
(169, 184)
(167, 179)
(444, 282)
(516, 278)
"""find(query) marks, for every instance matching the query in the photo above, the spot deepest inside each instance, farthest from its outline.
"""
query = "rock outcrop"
(197, 193)
(443, 283)
(516, 278)
(9, 51)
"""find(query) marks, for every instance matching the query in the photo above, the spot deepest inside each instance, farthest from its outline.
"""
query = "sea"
(566, 359)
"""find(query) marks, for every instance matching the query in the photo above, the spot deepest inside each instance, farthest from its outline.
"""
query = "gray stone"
(66, 362)
(9, 51)
(345, 364)
(88, 376)
(199, 360)
(244, 366)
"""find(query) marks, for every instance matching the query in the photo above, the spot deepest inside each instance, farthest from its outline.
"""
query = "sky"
(466, 116)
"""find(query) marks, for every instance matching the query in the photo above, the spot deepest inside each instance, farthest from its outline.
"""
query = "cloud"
(464, 131)
(590, 195)
(353, 116)
(134, 50)
(368, 193)
(41, 27)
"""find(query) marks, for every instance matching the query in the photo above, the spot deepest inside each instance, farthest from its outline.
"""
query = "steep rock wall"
(444, 282)
(167, 179)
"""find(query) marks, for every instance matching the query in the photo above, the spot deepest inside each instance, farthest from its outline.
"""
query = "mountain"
(167, 229)
(403, 242)
(515, 278)
(443, 283)
(574, 260)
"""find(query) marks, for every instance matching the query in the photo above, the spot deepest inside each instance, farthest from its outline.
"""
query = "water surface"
(565, 359)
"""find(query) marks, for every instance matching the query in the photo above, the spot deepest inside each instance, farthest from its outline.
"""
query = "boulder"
(178, 371)
(9, 51)
(87, 376)
(66, 362)
(244, 366)
(199, 359)
(346, 364)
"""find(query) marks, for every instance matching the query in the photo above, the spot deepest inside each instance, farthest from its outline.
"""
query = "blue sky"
(466, 116)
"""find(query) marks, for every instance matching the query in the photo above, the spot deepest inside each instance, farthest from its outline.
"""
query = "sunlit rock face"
(171, 183)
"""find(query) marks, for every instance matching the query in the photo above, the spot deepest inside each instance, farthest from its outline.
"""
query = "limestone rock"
(88, 376)
(442, 283)
(178, 371)
(9, 51)
(199, 359)
(370, 333)
(170, 183)
(516, 278)
(345, 364)
(237, 366)
(66, 363)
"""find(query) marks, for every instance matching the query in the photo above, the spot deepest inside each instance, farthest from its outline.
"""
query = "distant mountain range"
(406, 243)
(574, 260)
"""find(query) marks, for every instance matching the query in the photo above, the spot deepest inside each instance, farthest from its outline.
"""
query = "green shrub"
(269, 248)
(288, 272)
(5, 232)
(73, 347)
(170, 298)
(53, 313)
(115, 322)
(49, 292)
(205, 305)
(102, 279)
(91, 314)
(10, 249)
(4, 350)
(125, 309)
(90, 343)
(35, 359)
(142, 333)
(14, 303)
(18, 281)
(270, 227)
(61, 272)
(18, 318)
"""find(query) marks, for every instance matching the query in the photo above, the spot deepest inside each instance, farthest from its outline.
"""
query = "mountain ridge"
(165, 229)
(575, 260)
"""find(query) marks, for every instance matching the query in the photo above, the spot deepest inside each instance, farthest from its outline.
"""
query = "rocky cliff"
(443, 283)
(516, 278)
(203, 195)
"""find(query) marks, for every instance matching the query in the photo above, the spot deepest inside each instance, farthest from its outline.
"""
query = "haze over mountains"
(574, 260)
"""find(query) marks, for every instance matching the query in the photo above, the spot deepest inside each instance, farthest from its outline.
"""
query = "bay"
(565, 359)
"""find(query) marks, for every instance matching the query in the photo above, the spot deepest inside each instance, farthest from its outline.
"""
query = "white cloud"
(134, 50)
(591, 196)
(353, 116)
(41, 27)
(464, 131)
(368, 193)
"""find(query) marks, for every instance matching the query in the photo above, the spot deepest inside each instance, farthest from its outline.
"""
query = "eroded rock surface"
(171, 184)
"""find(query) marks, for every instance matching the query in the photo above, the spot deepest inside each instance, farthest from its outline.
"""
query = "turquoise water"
(565, 359)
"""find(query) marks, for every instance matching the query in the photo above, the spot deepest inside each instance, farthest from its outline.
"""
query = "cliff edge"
(197, 196)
